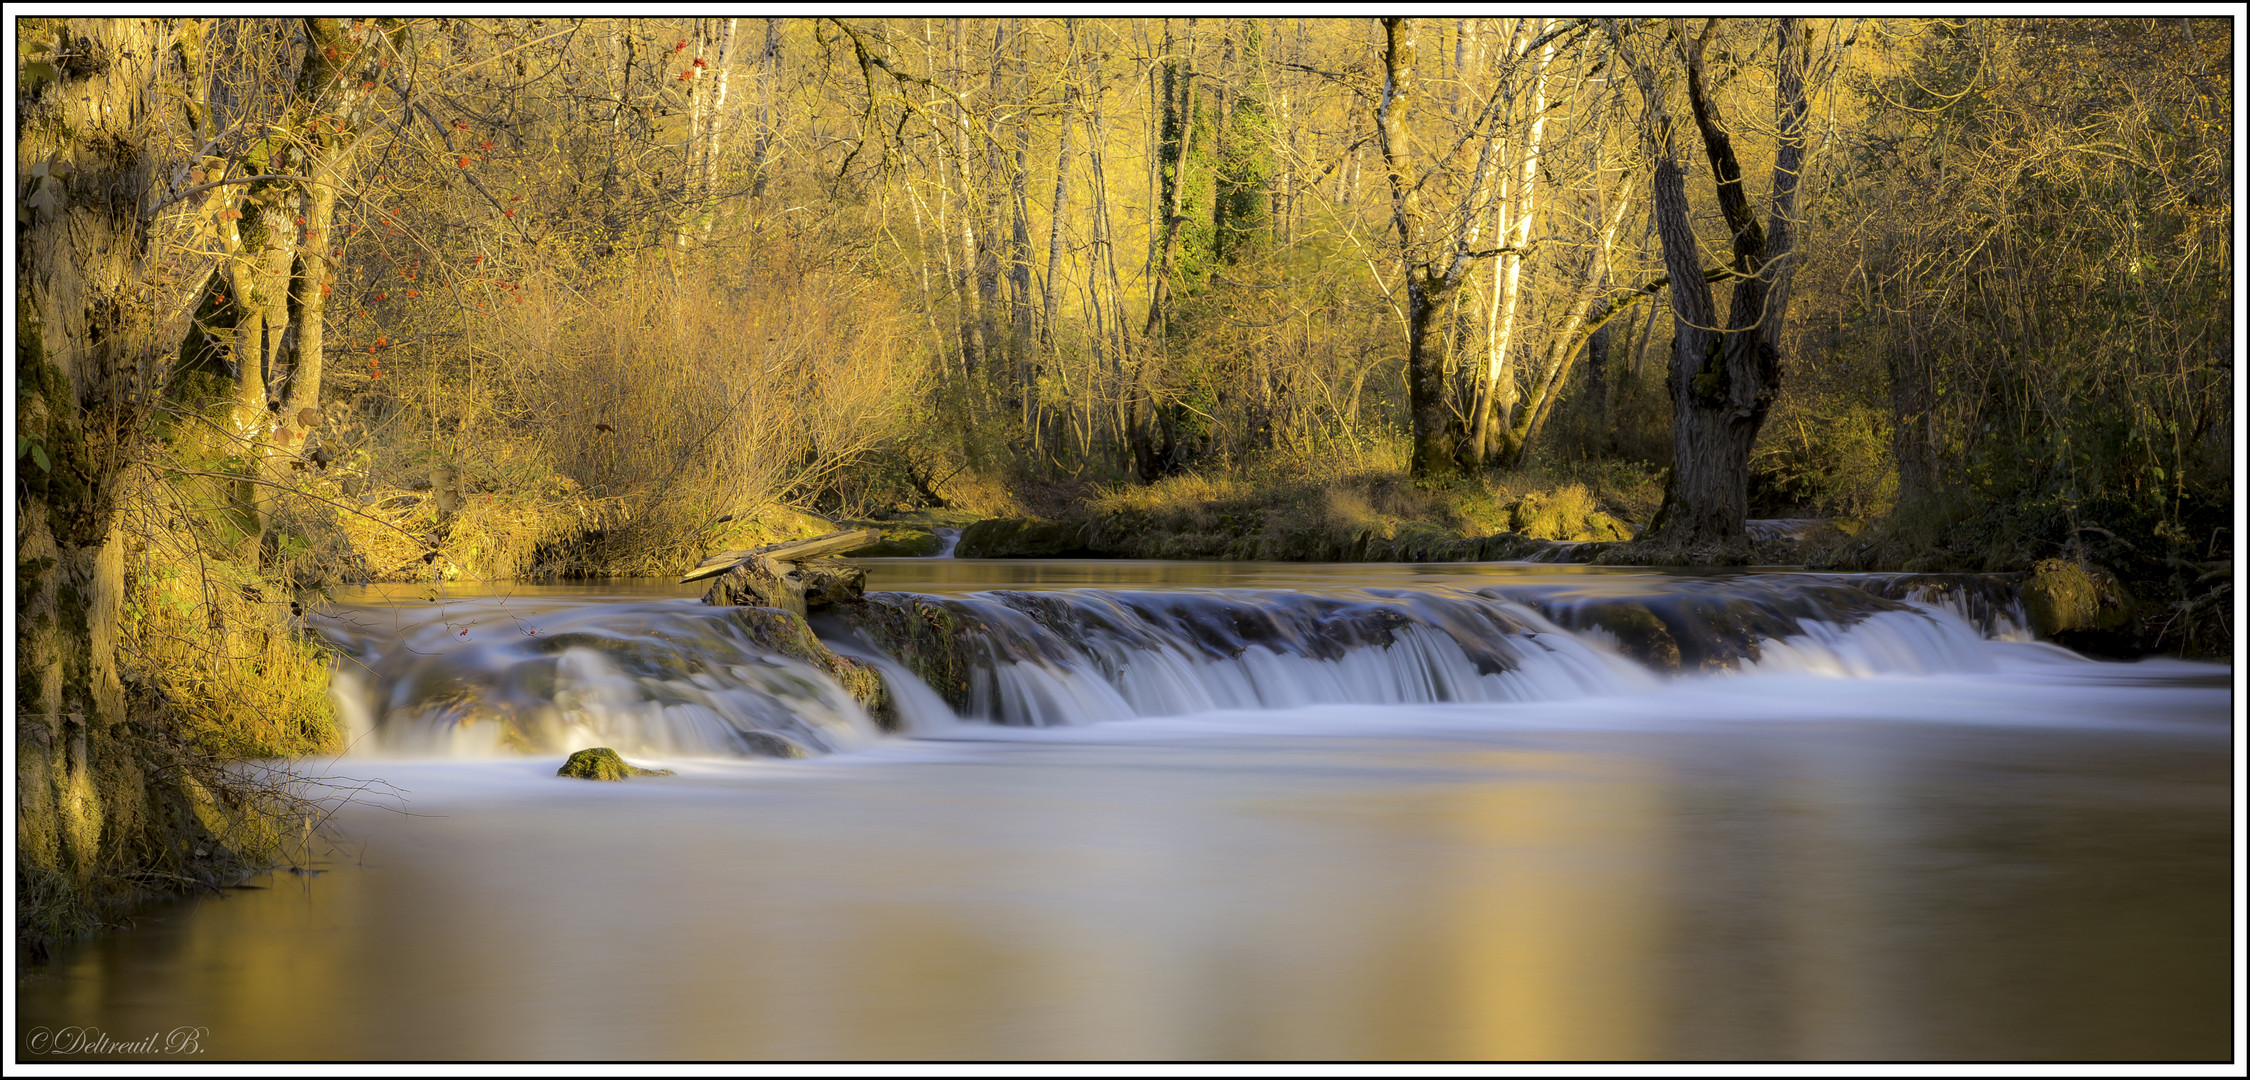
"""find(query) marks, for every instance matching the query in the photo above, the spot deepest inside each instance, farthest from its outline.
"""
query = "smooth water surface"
(2027, 858)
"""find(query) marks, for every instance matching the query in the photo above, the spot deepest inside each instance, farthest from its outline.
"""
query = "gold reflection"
(1555, 912)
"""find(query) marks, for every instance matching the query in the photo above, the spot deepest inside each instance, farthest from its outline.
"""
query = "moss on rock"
(926, 634)
(2064, 597)
(1640, 634)
(1022, 538)
(903, 543)
(603, 763)
(786, 633)
(864, 683)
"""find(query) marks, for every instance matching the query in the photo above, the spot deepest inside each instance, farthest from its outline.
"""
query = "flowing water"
(1202, 810)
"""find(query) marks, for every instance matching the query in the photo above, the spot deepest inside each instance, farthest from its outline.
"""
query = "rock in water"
(798, 587)
(798, 576)
(603, 763)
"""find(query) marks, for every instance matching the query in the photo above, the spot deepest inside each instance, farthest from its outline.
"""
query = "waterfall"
(677, 678)
(1087, 655)
(670, 678)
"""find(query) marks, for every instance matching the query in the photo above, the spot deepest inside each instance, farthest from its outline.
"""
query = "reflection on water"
(1910, 890)
(2016, 865)
(963, 575)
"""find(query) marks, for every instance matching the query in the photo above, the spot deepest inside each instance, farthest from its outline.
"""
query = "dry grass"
(607, 428)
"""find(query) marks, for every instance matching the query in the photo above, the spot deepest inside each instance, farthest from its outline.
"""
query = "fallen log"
(835, 543)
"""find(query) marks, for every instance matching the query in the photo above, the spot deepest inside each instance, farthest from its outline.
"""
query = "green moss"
(1639, 633)
(903, 543)
(2062, 596)
(785, 633)
(603, 763)
(924, 634)
(865, 684)
(1022, 538)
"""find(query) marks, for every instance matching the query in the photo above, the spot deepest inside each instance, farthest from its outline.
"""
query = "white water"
(482, 677)
(669, 677)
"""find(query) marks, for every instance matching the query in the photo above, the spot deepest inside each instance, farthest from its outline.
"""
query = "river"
(1227, 811)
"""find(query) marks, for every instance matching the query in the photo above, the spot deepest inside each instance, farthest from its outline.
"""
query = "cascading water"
(673, 677)
(484, 677)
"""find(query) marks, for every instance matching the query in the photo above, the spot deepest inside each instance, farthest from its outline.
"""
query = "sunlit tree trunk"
(721, 124)
(1497, 396)
(1434, 261)
(1056, 205)
(86, 96)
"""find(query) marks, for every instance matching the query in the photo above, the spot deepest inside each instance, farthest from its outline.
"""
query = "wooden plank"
(835, 543)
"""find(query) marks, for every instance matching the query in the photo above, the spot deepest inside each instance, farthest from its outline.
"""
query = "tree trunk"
(1499, 393)
(1434, 436)
(1176, 155)
(1105, 261)
(83, 149)
(1051, 286)
(1723, 381)
(720, 124)
(288, 259)
(1433, 268)
(989, 240)
(1020, 319)
(976, 342)
(769, 61)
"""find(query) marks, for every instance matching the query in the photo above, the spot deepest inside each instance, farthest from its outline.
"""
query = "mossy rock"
(1023, 538)
(1640, 634)
(1602, 527)
(786, 633)
(603, 763)
(903, 543)
(929, 636)
(2064, 597)
(864, 683)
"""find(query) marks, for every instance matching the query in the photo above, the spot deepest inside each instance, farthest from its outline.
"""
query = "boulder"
(603, 763)
(786, 633)
(2064, 597)
(1023, 538)
(903, 543)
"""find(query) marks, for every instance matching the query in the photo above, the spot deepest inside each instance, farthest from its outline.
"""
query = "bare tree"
(1724, 377)
(1434, 258)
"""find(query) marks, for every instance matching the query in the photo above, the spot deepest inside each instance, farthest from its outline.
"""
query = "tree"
(85, 375)
(1723, 377)
(1434, 259)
